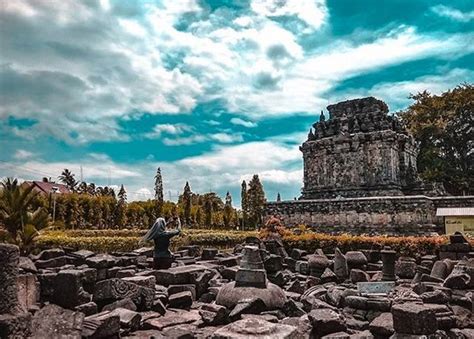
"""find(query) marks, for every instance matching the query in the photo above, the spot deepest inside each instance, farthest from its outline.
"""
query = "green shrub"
(409, 246)
(128, 240)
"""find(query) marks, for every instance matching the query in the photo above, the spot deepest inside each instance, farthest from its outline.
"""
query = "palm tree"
(16, 215)
(67, 178)
(14, 204)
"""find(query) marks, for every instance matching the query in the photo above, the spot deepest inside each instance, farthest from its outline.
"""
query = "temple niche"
(359, 151)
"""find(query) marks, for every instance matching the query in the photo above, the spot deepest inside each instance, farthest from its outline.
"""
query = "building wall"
(379, 215)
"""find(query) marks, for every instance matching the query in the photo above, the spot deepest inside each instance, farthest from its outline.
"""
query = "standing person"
(162, 257)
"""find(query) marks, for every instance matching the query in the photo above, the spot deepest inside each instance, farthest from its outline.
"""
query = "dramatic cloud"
(212, 91)
(453, 13)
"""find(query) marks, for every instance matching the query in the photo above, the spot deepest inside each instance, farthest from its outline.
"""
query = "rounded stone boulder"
(356, 259)
(229, 295)
(317, 264)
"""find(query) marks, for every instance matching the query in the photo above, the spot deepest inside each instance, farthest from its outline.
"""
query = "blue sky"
(210, 91)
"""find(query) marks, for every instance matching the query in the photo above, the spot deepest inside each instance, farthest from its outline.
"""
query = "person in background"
(162, 257)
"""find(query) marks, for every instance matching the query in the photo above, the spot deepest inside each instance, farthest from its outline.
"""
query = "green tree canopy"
(444, 127)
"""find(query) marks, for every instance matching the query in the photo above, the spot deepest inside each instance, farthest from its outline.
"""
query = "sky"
(210, 91)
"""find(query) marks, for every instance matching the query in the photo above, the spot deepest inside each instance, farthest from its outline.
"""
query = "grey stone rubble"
(258, 291)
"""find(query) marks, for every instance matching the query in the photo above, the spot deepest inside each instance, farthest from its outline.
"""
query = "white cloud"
(170, 129)
(398, 92)
(22, 154)
(453, 13)
(314, 13)
(189, 140)
(226, 138)
(242, 122)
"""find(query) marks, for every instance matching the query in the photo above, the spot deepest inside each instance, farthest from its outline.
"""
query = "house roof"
(47, 187)
(455, 211)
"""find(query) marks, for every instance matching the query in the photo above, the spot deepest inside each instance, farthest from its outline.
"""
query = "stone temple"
(360, 176)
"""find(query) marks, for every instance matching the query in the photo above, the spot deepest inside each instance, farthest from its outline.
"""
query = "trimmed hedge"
(128, 240)
(409, 246)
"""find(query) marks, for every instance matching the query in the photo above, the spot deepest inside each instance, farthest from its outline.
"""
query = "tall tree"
(199, 216)
(278, 197)
(187, 203)
(158, 190)
(228, 210)
(208, 212)
(121, 208)
(122, 194)
(244, 203)
(91, 189)
(67, 178)
(256, 201)
(443, 125)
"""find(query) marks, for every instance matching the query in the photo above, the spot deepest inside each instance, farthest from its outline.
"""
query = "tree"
(158, 190)
(121, 208)
(228, 210)
(122, 195)
(244, 203)
(15, 205)
(278, 197)
(187, 203)
(208, 212)
(67, 178)
(91, 190)
(256, 201)
(82, 188)
(198, 216)
(443, 127)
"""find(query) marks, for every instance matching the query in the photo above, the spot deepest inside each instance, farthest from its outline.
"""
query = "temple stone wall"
(381, 215)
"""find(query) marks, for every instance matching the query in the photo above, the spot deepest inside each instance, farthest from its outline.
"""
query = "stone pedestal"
(13, 321)
(388, 260)
(251, 282)
(251, 271)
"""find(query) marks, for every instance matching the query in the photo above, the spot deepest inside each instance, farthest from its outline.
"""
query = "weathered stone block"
(53, 321)
(411, 318)
(254, 328)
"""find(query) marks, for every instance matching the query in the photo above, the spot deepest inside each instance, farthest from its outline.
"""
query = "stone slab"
(375, 288)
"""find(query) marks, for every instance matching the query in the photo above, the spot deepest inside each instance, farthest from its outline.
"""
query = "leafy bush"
(128, 240)
(410, 246)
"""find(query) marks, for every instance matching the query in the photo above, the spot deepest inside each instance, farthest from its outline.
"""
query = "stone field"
(258, 291)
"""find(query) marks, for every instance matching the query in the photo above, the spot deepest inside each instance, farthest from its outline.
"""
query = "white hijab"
(158, 228)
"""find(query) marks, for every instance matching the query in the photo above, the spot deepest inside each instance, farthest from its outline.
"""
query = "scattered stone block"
(382, 326)
(122, 303)
(173, 289)
(101, 325)
(255, 328)
(180, 300)
(411, 318)
(89, 308)
(172, 319)
(177, 275)
(128, 319)
(247, 306)
(110, 290)
(359, 276)
(145, 281)
(213, 314)
(326, 321)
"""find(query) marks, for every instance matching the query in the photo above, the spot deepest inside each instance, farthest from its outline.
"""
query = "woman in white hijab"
(162, 257)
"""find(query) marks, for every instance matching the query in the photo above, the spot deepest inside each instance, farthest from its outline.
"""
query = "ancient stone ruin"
(257, 291)
(360, 176)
